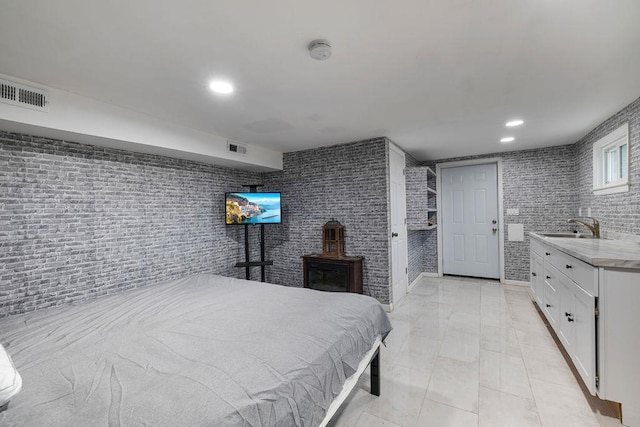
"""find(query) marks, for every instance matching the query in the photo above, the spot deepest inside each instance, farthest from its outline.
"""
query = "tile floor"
(470, 352)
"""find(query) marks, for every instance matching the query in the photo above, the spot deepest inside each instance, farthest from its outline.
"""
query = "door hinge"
(597, 380)
(406, 270)
(597, 312)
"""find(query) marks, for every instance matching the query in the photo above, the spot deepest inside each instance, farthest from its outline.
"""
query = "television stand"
(253, 188)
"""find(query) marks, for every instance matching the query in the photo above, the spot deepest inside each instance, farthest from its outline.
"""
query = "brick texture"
(542, 185)
(346, 182)
(78, 221)
(616, 212)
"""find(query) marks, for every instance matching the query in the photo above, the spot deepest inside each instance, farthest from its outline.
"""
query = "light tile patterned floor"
(470, 352)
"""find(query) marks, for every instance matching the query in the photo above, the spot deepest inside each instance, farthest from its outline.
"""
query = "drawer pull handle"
(570, 319)
(567, 314)
(568, 266)
(533, 274)
(547, 253)
(548, 277)
(548, 305)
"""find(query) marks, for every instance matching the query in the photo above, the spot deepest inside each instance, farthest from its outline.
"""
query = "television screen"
(252, 208)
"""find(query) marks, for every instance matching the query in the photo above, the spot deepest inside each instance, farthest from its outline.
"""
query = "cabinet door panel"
(537, 277)
(567, 318)
(584, 347)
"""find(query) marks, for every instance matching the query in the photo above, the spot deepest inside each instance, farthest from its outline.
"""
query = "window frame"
(601, 159)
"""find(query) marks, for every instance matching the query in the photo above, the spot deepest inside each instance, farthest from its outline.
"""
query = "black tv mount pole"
(253, 188)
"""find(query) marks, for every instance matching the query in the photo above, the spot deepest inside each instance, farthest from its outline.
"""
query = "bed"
(205, 350)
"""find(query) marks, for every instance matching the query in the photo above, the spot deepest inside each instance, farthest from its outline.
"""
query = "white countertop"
(597, 252)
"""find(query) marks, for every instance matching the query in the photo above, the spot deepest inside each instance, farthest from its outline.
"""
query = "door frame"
(490, 160)
(394, 300)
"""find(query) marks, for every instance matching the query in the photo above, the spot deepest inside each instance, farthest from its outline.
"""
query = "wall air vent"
(236, 148)
(23, 96)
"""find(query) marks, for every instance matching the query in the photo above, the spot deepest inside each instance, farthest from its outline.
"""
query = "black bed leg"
(4, 407)
(375, 374)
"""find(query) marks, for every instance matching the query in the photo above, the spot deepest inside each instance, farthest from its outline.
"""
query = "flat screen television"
(252, 208)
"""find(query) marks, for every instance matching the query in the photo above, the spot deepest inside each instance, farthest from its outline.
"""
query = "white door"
(470, 237)
(398, 236)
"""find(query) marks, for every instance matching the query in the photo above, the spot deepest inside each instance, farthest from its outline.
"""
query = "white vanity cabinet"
(568, 301)
(594, 309)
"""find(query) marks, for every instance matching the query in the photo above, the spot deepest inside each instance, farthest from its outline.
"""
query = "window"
(611, 162)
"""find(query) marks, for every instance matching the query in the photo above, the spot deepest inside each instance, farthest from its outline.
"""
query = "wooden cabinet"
(336, 274)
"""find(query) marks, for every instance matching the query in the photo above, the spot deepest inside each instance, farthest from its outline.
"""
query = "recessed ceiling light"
(222, 87)
(507, 139)
(514, 123)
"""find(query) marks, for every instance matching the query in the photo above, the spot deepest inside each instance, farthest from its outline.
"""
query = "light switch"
(589, 211)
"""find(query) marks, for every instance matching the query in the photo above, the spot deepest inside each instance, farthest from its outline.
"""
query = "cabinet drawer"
(551, 294)
(585, 275)
(537, 247)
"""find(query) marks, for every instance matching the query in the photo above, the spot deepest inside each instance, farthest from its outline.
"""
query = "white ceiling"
(438, 77)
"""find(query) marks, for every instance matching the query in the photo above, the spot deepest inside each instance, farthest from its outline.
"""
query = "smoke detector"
(320, 50)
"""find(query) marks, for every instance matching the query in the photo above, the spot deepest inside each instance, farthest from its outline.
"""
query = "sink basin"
(569, 235)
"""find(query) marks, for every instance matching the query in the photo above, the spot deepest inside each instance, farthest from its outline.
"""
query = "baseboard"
(432, 274)
(517, 283)
(420, 276)
(387, 307)
(415, 282)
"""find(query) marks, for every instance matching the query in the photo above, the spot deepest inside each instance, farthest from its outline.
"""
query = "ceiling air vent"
(236, 148)
(23, 96)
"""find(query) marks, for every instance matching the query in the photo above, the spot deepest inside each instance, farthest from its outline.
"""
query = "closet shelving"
(421, 198)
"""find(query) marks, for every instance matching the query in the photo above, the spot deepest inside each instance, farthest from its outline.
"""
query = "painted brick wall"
(541, 183)
(347, 182)
(616, 212)
(78, 221)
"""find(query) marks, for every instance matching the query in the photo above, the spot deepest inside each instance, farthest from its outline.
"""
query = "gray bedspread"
(206, 350)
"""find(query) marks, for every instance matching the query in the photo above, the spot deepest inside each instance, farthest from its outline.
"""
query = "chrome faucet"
(594, 227)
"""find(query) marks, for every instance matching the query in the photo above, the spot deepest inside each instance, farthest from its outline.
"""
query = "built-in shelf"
(421, 203)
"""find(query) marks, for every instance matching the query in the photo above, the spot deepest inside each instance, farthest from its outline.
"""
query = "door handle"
(494, 230)
(394, 234)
